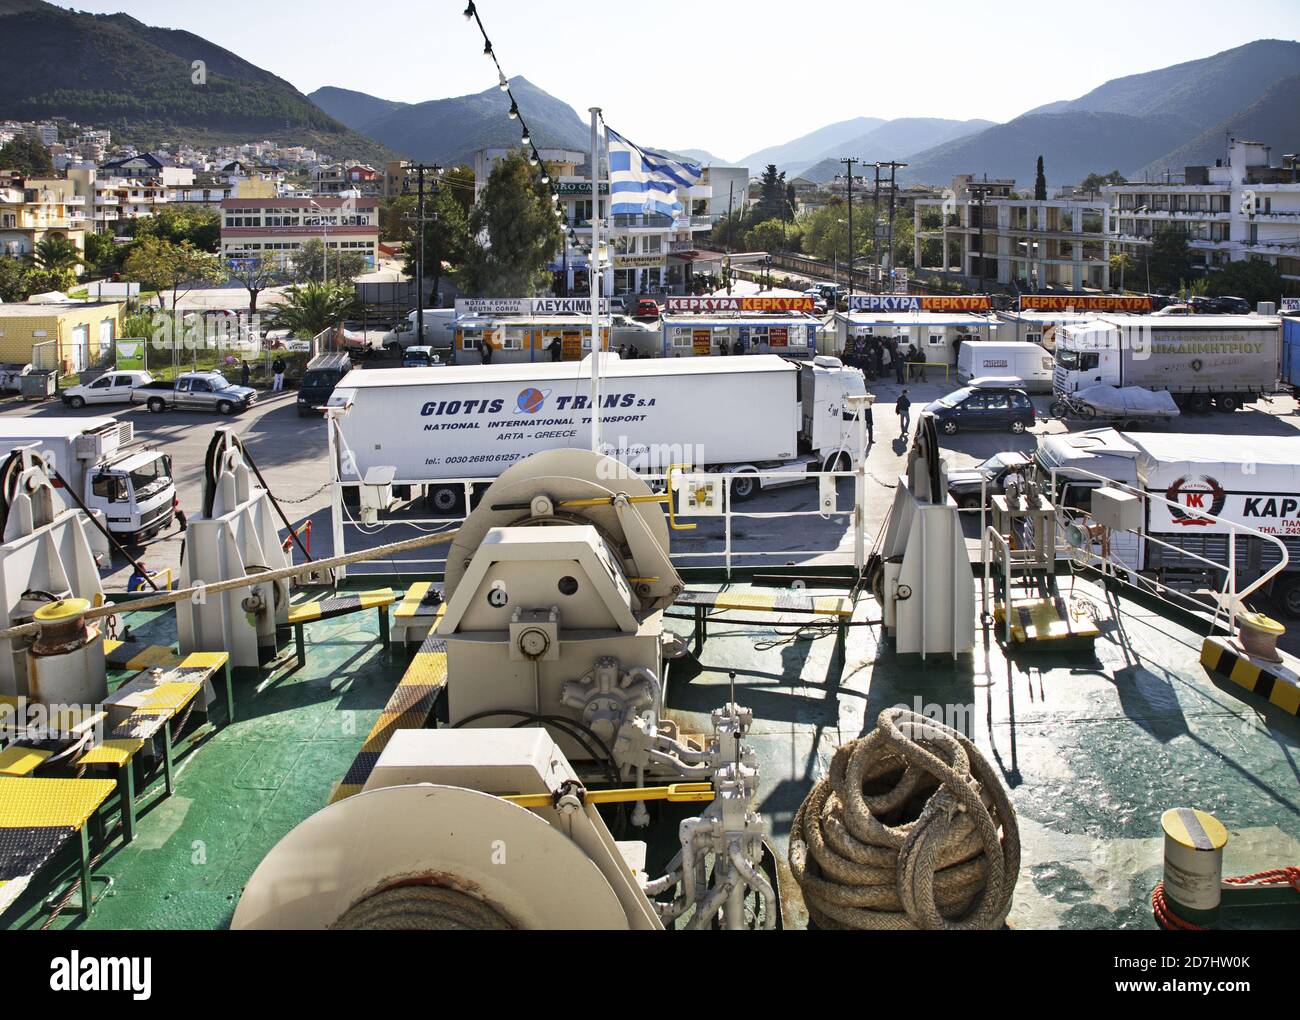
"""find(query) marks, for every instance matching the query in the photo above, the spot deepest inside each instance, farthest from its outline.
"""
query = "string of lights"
(526, 136)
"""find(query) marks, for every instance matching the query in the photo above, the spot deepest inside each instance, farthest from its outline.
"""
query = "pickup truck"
(195, 391)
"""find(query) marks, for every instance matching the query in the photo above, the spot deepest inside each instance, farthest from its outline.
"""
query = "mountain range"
(113, 71)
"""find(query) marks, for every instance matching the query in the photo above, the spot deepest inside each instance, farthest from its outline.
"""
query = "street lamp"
(325, 243)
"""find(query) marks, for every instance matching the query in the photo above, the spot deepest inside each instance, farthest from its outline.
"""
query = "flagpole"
(592, 263)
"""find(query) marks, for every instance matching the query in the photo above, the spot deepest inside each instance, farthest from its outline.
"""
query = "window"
(101, 383)
(997, 400)
(936, 340)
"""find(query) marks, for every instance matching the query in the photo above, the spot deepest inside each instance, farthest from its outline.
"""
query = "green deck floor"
(1092, 748)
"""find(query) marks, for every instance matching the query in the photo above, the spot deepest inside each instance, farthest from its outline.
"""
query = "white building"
(988, 233)
(647, 253)
(1244, 208)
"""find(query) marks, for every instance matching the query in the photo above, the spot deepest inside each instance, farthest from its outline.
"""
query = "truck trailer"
(133, 487)
(435, 427)
(1252, 484)
(1203, 361)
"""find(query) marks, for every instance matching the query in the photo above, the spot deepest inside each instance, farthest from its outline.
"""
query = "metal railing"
(1230, 593)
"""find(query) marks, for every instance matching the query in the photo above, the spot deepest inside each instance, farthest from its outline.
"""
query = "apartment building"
(340, 177)
(1240, 208)
(346, 223)
(987, 233)
(32, 209)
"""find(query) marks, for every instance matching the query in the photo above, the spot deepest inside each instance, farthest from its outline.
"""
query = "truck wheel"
(157, 405)
(1287, 595)
(76, 403)
(1229, 402)
(743, 487)
(225, 407)
(446, 499)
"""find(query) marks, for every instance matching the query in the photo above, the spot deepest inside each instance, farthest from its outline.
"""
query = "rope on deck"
(911, 829)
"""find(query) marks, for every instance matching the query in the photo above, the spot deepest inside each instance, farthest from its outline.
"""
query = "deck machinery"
(553, 620)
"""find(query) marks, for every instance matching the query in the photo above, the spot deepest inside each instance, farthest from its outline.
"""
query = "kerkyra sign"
(529, 306)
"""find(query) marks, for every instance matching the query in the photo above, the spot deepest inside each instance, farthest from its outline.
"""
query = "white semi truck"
(436, 427)
(133, 487)
(1202, 360)
(1256, 484)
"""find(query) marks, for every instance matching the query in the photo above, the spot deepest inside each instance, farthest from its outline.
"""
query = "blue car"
(979, 407)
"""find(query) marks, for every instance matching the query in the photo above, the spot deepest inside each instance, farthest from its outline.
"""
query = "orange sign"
(740, 304)
(778, 336)
(701, 341)
(1083, 303)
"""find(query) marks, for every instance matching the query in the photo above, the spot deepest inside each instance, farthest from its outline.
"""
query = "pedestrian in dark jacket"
(900, 365)
(243, 373)
(277, 370)
(904, 409)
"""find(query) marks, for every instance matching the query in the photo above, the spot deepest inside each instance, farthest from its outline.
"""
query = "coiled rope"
(1169, 921)
(911, 829)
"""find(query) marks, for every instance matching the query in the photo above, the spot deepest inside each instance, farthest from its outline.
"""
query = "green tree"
(826, 233)
(104, 255)
(28, 156)
(182, 224)
(446, 237)
(15, 276)
(513, 231)
(54, 253)
(1040, 182)
(1121, 270)
(310, 308)
(766, 236)
(308, 263)
(1253, 279)
(1094, 182)
(170, 268)
(255, 271)
(1169, 260)
(772, 200)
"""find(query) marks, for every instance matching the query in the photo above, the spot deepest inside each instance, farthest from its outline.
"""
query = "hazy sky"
(730, 76)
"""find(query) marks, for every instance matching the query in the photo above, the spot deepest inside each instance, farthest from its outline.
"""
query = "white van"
(1029, 364)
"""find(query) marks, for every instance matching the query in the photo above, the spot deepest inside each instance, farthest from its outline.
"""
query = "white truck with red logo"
(1252, 481)
(432, 428)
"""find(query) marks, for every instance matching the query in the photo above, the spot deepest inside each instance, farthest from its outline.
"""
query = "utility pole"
(849, 162)
(731, 229)
(419, 220)
(875, 223)
(893, 165)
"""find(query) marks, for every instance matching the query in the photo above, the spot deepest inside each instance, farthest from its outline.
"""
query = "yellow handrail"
(676, 793)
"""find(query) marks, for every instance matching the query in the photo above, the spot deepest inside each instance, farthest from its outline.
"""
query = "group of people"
(873, 355)
(278, 367)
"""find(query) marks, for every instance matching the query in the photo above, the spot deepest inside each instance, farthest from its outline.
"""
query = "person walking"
(866, 420)
(244, 373)
(904, 409)
(277, 370)
(556, 348)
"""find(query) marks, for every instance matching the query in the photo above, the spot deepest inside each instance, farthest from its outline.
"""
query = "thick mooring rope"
(911, 829)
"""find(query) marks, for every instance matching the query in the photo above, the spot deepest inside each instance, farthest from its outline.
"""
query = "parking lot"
(291, 452)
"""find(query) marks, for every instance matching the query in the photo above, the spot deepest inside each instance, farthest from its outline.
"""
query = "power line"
(526, 137)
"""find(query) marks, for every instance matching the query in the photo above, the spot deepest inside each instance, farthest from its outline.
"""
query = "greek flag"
(641, 181)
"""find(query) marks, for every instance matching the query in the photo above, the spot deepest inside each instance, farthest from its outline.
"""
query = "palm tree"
(313, 307)
(54, 253)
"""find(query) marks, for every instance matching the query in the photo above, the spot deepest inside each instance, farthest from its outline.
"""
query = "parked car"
(419, 357)
(319, 379)
(109, 388)
(966, 485)
(982, 407)
(647, 308)
(195, 391)
(1230, 306)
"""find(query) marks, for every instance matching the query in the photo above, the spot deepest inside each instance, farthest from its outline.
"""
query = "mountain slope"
(808, 148)
(448, 131)
(113, 71)
(355, 109)
(1273, 120)
(895, 139)
(1073, 144)
(1198, 91)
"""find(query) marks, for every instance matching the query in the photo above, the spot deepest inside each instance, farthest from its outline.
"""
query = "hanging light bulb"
(469, 11)
(487, 47)
(503, 84)
(532, 158)
(514, 110)
(546, 178)
(527, 140)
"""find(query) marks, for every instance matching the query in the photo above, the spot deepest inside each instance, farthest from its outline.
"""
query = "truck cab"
(135, 492)
(1084, 359)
